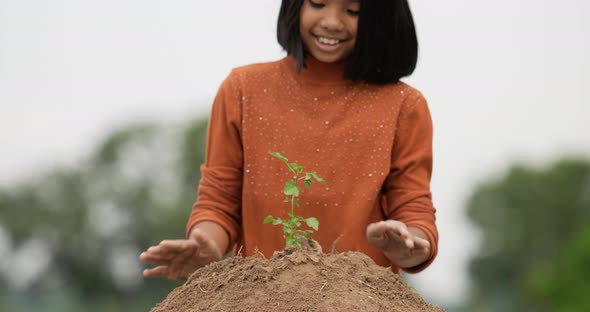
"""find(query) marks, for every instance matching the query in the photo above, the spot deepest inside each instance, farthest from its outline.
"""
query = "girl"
(335, 105)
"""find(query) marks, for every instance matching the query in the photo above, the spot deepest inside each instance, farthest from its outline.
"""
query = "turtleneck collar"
(317, 72)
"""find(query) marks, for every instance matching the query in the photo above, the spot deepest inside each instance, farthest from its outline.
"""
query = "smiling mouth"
(328, 41)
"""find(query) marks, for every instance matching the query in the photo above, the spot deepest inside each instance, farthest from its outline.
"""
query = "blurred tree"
(74, 234)
(526, 217)
(563, 285)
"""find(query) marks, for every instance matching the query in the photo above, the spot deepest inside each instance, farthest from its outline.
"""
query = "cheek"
(354, 26)
(304, 26)
(304, 18)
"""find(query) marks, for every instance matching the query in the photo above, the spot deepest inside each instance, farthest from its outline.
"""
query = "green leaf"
(296, 202)
(317, 177)
(293, 167)
(268, 220)
(291, 188)
(312, 223)
(287, 200)
(277, 221)
(287, 230)
(290, 240)
(307, 182)
(292, 215)
(279, 156)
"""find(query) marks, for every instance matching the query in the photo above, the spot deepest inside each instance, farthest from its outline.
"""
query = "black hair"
(386, 46)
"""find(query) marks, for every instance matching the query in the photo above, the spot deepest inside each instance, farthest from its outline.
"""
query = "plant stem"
(293, 196)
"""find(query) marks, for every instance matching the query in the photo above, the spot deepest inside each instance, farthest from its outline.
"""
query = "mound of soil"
(295, 279)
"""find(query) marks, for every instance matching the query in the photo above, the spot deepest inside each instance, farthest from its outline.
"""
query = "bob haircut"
(386, 46)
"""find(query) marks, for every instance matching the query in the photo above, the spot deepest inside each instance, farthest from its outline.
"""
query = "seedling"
(292, 191)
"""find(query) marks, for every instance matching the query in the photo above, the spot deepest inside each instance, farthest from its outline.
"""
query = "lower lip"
(325, 47)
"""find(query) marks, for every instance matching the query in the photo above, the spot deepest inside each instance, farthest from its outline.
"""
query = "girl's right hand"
(178, 259)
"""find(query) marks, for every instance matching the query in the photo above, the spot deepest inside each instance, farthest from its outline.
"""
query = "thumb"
(205, 243)
(374, 230)
(371, 229)
(375, 235)
(197, 236)
(201, 238)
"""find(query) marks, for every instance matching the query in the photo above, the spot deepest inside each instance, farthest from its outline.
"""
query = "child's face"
(328, 28)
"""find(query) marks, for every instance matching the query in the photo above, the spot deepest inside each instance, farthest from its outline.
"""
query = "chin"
(328, 59)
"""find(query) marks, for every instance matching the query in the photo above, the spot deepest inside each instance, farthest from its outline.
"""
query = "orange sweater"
(372, 144)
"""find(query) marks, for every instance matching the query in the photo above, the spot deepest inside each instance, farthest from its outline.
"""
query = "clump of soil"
(295, 279)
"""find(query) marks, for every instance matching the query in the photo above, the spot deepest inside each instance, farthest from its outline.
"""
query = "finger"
(379, 228)
(419, 252)
(159, 271)
(409, 243)
(177, 246)
(401, 236)
(196, 233)
(396, 240)
(375, 231)
(156, 258)
(421, 243)
(390, 234)
(160, 251)
(403, 233)
(377, 235)
(394, 232)
(200, 238)
(395, 235)
(154, 248)
(398, 227)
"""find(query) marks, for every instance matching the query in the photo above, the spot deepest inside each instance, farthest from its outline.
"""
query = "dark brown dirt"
(296, 279)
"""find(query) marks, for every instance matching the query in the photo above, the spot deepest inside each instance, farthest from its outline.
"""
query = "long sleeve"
(372, 144)
(407, 188)
(220, 188)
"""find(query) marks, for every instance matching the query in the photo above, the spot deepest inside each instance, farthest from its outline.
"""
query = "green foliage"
(292, 190)
(194, 140)
(525, 217)
(563, 285)
(94, 220)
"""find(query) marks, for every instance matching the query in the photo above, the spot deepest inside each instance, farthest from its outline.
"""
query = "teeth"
(329, 41)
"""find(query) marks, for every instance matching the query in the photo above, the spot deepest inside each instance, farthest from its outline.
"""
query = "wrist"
(218, 236)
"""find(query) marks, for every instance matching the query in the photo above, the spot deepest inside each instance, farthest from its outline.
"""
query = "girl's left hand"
(400, 244)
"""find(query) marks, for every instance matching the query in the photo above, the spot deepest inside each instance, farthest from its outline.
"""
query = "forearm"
(216, 233)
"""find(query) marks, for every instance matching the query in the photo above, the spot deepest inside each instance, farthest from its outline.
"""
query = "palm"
(184, 262)
(389, 239)
(396, 242)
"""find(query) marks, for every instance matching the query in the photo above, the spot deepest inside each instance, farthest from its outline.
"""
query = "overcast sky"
(505, 81)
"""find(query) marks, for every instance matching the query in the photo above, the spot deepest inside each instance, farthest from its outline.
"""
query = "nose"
(332, 21)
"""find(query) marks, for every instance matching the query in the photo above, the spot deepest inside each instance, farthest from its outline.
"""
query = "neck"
(320, 72)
